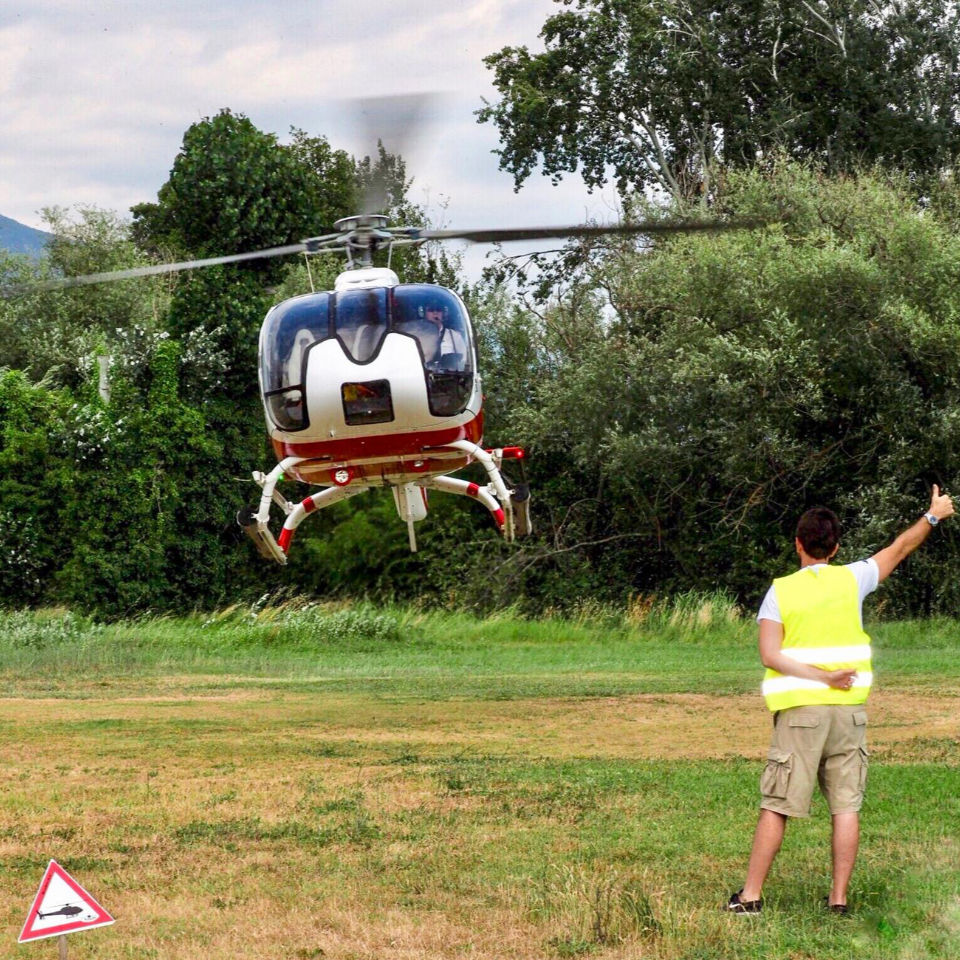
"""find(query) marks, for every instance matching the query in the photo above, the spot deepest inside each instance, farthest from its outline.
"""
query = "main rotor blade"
(507, 234)
(154, 269)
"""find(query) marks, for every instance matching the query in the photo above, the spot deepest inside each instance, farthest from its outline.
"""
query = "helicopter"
(373, 384)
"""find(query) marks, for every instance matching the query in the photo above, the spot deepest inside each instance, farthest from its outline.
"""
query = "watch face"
(931, 519)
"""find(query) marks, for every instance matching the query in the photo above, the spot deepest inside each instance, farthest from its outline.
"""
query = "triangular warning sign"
(61, 906)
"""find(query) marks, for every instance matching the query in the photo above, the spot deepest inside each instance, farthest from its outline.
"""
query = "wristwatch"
(931, 518)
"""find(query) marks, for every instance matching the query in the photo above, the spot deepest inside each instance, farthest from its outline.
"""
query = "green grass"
(401, 652)
(360, 782)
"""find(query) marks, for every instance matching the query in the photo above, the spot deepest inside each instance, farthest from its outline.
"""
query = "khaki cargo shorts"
(811, 744)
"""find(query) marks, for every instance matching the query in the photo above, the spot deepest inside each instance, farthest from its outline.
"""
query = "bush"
(745, 376)
(29, 629)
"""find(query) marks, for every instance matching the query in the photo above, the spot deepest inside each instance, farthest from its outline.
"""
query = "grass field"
(359, 783)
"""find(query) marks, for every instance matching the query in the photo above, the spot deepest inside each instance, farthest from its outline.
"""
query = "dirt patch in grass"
(640, 726)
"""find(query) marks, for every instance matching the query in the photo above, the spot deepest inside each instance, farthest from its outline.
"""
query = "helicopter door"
(437, 319)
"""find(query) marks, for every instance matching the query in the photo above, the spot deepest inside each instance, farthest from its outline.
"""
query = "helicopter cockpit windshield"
(360, 320)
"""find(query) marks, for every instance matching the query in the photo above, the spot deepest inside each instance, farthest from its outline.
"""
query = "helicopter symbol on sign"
(68, 910)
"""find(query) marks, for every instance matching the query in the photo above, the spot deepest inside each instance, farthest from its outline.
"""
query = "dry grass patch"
(685, 725)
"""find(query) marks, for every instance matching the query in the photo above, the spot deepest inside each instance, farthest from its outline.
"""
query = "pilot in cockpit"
(451, 345)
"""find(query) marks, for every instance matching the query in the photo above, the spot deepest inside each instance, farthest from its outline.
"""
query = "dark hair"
(818, 531)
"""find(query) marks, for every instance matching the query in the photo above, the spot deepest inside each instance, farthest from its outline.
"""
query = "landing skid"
(509, 504)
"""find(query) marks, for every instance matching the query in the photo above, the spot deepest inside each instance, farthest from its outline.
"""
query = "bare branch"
(837, 32)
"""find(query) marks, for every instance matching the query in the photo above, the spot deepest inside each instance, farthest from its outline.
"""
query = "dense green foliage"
(734, 380)
(664, 92)
(35, 478)
(682, 400)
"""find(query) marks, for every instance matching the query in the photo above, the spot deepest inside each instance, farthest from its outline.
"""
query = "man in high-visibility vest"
(818, 676)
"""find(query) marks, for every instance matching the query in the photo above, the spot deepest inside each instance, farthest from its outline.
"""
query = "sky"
(95, 97)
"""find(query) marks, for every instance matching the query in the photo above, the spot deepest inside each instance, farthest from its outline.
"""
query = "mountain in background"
(18, 238)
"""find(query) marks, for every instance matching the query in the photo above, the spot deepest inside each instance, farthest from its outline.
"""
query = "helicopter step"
(262, 538)
(520, 495)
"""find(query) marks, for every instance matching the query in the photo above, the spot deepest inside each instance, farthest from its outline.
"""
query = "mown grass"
(354, 782)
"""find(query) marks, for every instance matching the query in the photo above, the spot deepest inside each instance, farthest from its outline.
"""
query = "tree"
(661, 93)
(232, 189)
(740, 378)
(51, 334)
(334, 172)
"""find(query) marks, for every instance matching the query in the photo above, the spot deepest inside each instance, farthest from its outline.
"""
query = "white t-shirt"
(868, 577)
(451, 341)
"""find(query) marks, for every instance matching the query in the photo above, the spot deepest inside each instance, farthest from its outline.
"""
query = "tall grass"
(695, 642)
(299, 623)
(284, 637)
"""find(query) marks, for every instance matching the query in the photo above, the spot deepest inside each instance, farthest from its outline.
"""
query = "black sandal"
(841, 908)
(736, 905)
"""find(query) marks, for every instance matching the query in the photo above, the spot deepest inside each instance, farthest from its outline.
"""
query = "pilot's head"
(433, 310)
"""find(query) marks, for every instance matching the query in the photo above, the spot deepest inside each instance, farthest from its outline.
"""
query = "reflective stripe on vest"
(820, 609)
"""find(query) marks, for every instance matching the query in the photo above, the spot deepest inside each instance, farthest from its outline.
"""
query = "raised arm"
(888, 559)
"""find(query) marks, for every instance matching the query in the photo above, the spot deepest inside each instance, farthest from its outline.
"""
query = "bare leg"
(766, 845)
(846, 840)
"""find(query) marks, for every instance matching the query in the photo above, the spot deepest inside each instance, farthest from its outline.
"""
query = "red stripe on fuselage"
(388, 445)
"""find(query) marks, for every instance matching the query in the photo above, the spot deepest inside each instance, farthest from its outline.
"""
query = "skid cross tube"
(496, 482)
(316, 501)
(466, 489)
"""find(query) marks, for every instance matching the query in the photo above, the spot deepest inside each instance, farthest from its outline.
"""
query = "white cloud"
(94, 99)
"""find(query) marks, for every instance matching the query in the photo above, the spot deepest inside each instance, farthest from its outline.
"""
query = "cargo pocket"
(864, 760)
(776, 775)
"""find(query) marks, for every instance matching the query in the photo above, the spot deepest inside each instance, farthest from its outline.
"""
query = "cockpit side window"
(289, 330)
(435, 317)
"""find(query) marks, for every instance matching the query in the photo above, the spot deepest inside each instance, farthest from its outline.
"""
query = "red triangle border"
(54, 869)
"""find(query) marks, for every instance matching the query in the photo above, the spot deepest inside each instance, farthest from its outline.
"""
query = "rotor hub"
(366, 221)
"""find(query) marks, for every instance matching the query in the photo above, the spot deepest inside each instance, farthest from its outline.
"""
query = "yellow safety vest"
(820, 609)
